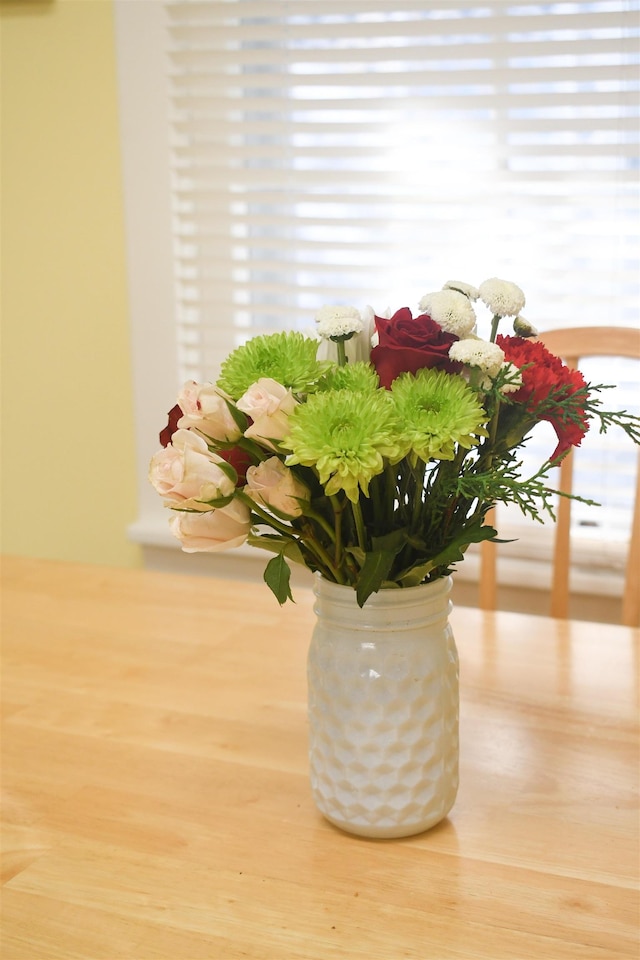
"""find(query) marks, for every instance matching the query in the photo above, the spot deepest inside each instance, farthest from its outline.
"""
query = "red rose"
(406, 344)
(240, 460)
(165, 435)
(549, 383)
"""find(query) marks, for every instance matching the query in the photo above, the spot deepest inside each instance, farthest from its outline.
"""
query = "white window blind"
(364, 152)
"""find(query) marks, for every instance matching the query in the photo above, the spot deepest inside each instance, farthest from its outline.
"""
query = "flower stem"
(360, 531)
(312, 544)
(417, 497)
(391, 474)
(491, 440)
(342, 353)
(494, 328)
(338, 508)
(264, 515)
(320, 520)
(306, 538)
(377, 503)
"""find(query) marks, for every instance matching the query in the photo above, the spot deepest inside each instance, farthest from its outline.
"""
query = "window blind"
(361, 152)
(345, 152)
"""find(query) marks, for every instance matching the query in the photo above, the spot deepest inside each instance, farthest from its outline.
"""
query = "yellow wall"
(68, 474)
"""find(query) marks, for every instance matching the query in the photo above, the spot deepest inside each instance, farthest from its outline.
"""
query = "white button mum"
(451, 310)
(338, 322)
(473, 352)
(469, 291)
(504, 299)
(514, 381)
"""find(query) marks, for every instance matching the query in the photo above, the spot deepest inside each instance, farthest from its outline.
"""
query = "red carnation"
(406, 344)
(548, 386)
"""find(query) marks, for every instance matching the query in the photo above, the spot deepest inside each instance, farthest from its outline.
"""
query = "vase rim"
(386, 596)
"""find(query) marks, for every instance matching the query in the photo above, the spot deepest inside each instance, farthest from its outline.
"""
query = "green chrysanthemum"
(346, 437)
(437, 410)
(289, 358)
(357, 377)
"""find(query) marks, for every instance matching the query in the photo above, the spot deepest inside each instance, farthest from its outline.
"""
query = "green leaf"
(277, 575)
(275, 544)
(378, 562)
(390, 541)
(375, 569)
(452, 553)
(229, 471)
(210, 505)
(216, 502)
(239, 417)
(279, 514)
(416, 574)
(357, 553)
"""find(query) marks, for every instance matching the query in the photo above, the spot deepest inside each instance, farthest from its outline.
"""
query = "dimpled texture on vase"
(383, 709)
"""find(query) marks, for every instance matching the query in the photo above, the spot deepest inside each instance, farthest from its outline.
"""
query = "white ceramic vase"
(383, 709)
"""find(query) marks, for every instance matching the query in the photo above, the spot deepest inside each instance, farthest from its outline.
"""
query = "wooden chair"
(573, 344)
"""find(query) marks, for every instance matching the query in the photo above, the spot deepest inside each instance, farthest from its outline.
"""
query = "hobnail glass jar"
(383, 708)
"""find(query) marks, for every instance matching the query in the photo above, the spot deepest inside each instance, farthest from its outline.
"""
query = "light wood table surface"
(156, 801)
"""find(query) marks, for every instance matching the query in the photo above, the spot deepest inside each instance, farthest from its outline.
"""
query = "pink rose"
(269, 405)
(213, 531)
(274, 485)
(185, 472)
(205, 408)
(406, 344)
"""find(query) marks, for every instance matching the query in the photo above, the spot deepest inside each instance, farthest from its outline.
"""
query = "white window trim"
(141, 67)
(139, 35)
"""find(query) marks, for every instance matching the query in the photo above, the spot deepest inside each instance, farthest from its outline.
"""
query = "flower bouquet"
(372, 452)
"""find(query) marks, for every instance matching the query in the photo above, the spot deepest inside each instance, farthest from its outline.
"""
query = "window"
(282, 155)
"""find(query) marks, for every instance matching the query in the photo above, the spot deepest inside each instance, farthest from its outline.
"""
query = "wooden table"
(156, 802)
